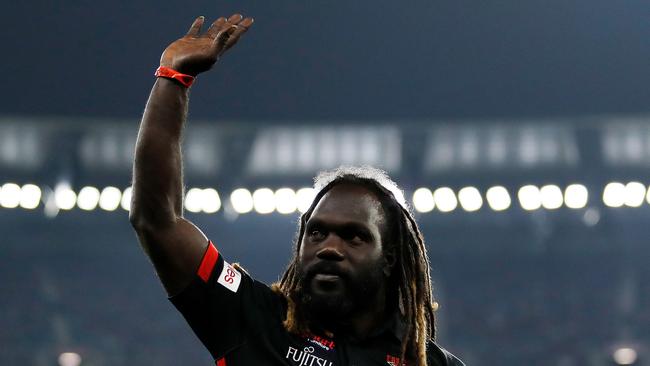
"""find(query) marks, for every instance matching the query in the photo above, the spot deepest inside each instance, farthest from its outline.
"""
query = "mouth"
(326, 277)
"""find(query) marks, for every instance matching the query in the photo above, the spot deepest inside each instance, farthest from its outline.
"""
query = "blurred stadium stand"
(534, 283)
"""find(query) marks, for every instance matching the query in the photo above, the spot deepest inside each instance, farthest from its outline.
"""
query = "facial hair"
(358, 294)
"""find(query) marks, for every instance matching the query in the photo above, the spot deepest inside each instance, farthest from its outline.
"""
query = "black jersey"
(239, 320)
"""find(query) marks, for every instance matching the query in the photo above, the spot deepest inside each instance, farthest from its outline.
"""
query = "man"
(357, 291)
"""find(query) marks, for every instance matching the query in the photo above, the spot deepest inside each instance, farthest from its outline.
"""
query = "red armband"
(166, 72)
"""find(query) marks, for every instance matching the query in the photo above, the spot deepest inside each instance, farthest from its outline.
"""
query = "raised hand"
(196, 52)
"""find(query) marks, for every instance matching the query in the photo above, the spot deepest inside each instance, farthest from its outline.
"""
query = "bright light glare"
(193, 200)
(64, 196)
(211, 200)
(423, 200)
(69, 359)
(551, 196)
(285, 201)
(614, 194)
(126, 199)
(634, 194)
(625, 356)
(109, 199)
(305, 197)
(264, 201)
(241, 200)
(30, 196)
(88, 198)
(470, 199)
(445, 199)
(530, 197)
(591, 216)
(10, 195)
(576, 196)
(498, 198)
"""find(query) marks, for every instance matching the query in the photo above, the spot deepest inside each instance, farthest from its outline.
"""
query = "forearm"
(174, 245)
(157, 171)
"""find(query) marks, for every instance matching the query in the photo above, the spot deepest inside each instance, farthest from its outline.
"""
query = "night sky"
(337, 60)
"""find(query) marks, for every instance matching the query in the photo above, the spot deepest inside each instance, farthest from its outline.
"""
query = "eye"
(316, 234)
(360, 238)
(354, 236)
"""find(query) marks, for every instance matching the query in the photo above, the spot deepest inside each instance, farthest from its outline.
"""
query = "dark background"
(315, 60)
(515, 288)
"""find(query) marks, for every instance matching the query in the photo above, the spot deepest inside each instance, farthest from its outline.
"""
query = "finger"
(229, 36)
(223, 36)
(235, 18)
(215, 27)
(196, 27)
(246, 23)
(234, 37)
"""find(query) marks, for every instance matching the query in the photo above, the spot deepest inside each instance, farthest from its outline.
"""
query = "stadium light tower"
(241, 200)
(445, 199)
(498, 198)
(423, 200)
(614, 194)
(576, 196)
(625, 356)
(470, 199)
(530, 197)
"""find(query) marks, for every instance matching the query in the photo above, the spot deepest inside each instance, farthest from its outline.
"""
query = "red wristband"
(166, 72)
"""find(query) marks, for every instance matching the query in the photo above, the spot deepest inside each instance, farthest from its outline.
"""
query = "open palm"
(195, 52)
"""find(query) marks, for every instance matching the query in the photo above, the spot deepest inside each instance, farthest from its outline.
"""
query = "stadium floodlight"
(530, 197)
(126, 199)
(285, 201)
(576, 196)
(30, 196)
(193, 200)
(470, 199)
(241, 200)
(635, 193)
(445, 199)
(211, 202)
(69, 359)
(10, 195)
(109, 199)
(614, 194)
(625, 356)
(551, 196)
(64, 196)
(423, 200)
(88, 198)
(498, 198)
(264, 201)
(305, 197)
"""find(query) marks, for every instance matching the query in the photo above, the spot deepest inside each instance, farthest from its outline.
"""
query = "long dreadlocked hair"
(411, 288)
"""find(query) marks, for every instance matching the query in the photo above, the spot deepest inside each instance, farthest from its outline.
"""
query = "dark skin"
(174, 245)
(344, 234)
(350, 216)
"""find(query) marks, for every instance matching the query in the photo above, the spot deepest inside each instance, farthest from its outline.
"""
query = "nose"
(331, 249)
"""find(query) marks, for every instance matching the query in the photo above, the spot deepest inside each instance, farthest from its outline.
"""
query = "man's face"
(341, 262)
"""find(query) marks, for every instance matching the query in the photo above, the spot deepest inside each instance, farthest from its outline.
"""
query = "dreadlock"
(410, 278)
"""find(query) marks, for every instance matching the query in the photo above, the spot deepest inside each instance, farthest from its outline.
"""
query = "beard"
(351, 294)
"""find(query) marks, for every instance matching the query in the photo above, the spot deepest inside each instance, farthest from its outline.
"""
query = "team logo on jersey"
(229, 277)
(394, 361)
(324, 343)
(305, 357)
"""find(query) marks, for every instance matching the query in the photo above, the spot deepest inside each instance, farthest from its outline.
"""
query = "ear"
(389, 261)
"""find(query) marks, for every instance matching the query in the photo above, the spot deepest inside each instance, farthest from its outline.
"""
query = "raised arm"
(174, 245)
